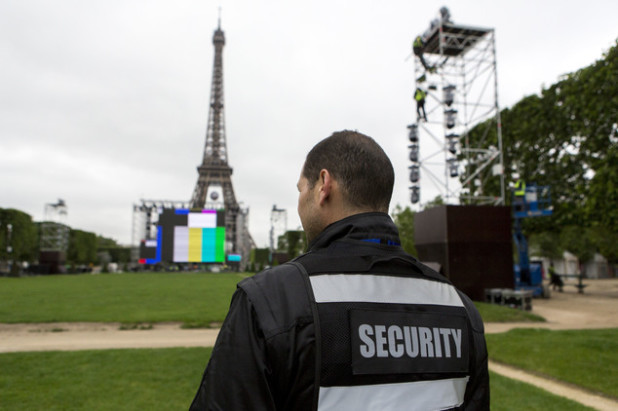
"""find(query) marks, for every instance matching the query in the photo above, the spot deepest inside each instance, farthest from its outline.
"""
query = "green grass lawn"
(145, 379)
(587, 358)
(162, 379)
(492, 313)
(167, 379)
(193, 298)
(508, 395)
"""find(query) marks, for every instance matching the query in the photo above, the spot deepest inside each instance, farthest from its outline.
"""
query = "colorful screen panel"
(187, 236)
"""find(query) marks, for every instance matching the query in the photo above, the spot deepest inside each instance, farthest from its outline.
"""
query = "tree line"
(566, 138)
(20, 242)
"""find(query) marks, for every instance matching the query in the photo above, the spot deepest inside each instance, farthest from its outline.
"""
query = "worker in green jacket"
(417, 49)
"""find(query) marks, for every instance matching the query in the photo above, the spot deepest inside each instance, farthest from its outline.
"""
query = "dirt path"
(98, 336)
(596, 308)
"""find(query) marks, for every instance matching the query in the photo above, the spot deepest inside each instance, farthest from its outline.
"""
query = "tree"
(600, 208)
(577, 240)
(404, 220)
(293, 242)
(259, 258)
(605, 242)
(565, 138)
(117, 253)
(437, 201)
(82, 247)
(547, 244)
(21, 239)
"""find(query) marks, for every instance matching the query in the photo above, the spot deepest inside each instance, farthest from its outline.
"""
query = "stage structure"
(188, 236)
(166, 231)
(54, 237)
(146, 218)
(54, 231)
(471, 245)
(278, 226)
(214, 181)
(455, 77)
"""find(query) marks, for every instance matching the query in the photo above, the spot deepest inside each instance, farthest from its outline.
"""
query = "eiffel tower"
(214, 174)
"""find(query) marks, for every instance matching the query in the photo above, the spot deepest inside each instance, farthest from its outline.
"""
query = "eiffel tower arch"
(214, 183)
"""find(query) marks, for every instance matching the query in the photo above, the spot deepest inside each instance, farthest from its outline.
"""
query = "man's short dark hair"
(359, 165)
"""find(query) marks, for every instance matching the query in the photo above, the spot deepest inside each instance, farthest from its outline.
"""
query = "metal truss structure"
(146, 217)
(54, 231)
(455, 66)
(278, 225)
(244, 240)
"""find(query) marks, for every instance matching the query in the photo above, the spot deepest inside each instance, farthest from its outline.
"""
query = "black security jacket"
(266, 356)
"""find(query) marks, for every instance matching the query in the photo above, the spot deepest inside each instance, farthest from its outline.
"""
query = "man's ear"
(326, 186)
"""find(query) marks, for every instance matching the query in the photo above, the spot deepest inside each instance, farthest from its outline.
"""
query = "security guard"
(355, 323)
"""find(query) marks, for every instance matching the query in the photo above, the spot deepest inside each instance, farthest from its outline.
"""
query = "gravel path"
(98, 336)
(596, 308)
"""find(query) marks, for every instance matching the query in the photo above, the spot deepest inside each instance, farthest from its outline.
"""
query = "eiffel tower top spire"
(215, 150)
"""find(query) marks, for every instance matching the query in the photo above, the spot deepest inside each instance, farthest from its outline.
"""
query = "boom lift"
(528, 202)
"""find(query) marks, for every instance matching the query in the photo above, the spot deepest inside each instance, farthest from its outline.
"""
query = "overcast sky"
(103, 103)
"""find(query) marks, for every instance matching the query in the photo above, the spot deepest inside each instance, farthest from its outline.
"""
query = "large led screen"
(187, 236)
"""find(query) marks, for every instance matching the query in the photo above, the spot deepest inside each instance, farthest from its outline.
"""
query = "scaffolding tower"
(278, 226)
(54, 231)
(146, 218)
(455, 77)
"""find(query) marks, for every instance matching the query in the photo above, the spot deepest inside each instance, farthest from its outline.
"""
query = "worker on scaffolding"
(445, 15)
(419, 96)
(417, 49)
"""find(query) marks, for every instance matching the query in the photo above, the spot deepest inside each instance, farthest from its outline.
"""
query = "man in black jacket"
(355, 323)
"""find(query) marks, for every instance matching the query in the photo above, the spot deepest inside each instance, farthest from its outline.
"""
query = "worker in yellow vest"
(519, 195)
(419, 96)
(520, 188)
(417, 49)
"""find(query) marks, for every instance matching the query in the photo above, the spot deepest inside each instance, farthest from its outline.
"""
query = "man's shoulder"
(272, 277)
(280, 297)
(368, 257)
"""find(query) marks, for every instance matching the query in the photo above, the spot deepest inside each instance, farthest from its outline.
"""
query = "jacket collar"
(374, 227)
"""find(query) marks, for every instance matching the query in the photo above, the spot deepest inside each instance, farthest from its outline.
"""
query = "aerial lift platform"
(528, 202)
